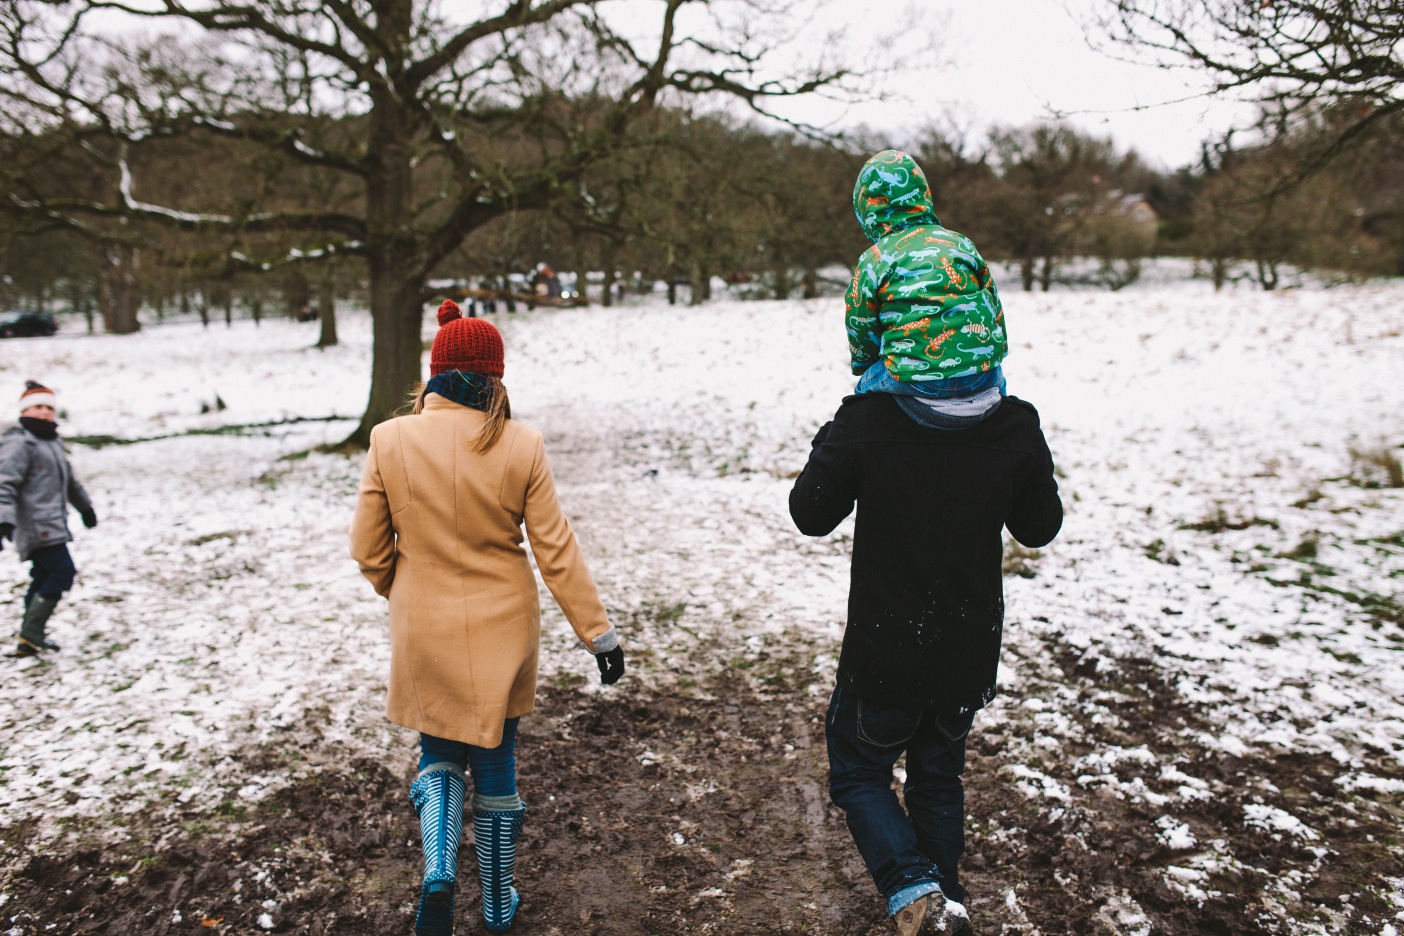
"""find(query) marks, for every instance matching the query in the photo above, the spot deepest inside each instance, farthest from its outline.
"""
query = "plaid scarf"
(463, 387)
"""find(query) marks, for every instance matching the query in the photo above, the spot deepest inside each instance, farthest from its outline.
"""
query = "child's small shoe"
(24, 649)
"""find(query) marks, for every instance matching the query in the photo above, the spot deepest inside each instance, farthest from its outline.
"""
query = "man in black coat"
(925, 618)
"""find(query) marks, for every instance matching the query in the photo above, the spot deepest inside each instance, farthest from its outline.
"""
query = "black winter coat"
(926, 599)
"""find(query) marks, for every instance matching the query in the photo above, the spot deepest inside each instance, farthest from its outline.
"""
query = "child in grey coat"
(36, 486)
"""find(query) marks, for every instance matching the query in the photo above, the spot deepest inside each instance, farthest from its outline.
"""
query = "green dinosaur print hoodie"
(922, 299)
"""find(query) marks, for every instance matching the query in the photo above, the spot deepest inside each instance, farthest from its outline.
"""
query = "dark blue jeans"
(913, 852)
(51, 572)
(494, 770)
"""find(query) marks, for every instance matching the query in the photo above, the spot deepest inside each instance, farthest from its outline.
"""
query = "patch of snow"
(216, 611)
(1035, 784)
(1364, 781)
(1174, 835)
(1279, 822)
(1122, 914)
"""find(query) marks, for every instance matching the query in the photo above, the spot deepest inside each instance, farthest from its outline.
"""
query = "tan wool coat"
(438, 531)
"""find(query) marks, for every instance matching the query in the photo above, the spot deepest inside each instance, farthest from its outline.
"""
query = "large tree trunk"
(608, 297)
(699, 284)
(1026, 273)
(118, 291)
(79, 300)
(1219, 266)
(582, 288)
(397, 350)
(1267, 274)
(396, 273)
(781, 273)
(297, 295)
(326, 306)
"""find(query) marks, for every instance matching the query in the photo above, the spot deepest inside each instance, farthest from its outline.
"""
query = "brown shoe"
(908, 920)
(959, 919)
(24, 649)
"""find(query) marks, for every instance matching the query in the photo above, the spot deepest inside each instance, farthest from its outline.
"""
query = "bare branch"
(225, 17)
(519, 15)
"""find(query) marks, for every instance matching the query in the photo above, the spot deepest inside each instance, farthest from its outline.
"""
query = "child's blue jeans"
(494, 770)
(876, 379)
(51, 572)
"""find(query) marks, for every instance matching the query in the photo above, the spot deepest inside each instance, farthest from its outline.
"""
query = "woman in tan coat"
(438, 531)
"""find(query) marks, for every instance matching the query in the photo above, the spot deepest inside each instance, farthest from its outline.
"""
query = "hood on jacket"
(892, 193)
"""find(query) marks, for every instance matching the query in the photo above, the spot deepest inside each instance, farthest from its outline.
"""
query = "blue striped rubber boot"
(437, 794)
(497, 822)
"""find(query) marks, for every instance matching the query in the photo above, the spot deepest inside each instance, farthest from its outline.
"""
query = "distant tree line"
(249, 136)
(257, 157)
(703, 197)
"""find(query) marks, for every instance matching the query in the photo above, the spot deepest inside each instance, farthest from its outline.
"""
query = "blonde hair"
(499, 410)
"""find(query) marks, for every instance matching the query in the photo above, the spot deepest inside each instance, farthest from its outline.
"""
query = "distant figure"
(36, 486)
(923, 316)
(438, 531)
(546, 284)
(925, 619)
(489, 302)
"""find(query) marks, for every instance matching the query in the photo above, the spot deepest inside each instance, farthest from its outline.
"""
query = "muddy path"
(704, 811)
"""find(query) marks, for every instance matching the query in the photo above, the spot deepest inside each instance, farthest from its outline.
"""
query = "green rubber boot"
(36, 620)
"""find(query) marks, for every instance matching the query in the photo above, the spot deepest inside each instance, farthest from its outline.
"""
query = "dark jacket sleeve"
(1037, 514)
(825, 491)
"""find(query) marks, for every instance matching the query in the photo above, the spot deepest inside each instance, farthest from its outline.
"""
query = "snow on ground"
(1224, 462)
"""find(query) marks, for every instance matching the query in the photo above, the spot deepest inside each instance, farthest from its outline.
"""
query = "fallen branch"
(99, 441)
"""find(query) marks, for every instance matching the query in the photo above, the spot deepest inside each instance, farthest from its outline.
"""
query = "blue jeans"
(494, 770)
(876, 379)
(917, 851)
(51, 572)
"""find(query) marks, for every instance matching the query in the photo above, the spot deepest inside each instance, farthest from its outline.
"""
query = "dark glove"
(821, 435)
(89, 518)
(611, 665)
(7, 532)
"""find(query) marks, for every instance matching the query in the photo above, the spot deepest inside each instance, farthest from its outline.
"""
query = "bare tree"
(1290, 54)
(1328, 222)
(1047, 171)
(460, 122)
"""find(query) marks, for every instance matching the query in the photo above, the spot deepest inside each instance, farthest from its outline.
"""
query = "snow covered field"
(1232, 539)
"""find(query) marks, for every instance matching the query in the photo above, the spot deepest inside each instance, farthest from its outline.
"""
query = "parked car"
(15, 324)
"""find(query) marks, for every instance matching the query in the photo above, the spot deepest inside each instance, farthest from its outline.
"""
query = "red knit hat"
(465, 344)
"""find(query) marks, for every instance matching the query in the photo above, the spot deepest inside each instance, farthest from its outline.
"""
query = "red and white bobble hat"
(36, 394)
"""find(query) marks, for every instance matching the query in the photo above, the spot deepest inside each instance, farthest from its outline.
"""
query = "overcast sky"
(1012, 62)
